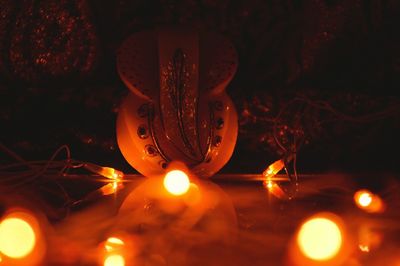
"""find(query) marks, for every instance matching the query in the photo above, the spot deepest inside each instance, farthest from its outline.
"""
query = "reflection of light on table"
(113, 243)
(319, 238)
(363, 248)
(114, 260)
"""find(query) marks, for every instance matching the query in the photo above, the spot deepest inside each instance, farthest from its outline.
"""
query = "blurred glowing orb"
(176, 182)
(17, 238)
(114, 260)
(363, 248)
(368, 201)
(319, 239)
(364, 199)
(113, 243)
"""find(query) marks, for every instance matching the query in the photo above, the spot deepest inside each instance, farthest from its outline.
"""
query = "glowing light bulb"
(364, 199)
(319, 239)
(107, 172)
(176, 182)
(17, 238)
(114, 260)
(273, 169)
(368, 201)
(113, 243)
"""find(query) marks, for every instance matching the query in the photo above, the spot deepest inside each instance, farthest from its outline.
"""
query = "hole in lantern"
(17, 238)
(176, 182)
(219, 123)
(319, 239)
(151, 150)
(217, 141)
(143, 110)
(142, 132)
(218, 105)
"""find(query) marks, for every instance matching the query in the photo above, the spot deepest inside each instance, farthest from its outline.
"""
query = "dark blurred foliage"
(339, 59)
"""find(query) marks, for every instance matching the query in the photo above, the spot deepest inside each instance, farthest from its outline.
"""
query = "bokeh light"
(363, 198)
(113, 243)
(368, 201)
(114, 260)
(17, 237)
(319, 239)
(176, 182)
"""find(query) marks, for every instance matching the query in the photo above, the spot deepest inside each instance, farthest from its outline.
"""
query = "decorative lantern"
(178, 109)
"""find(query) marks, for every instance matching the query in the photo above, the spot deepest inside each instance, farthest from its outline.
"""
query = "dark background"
(59, 83)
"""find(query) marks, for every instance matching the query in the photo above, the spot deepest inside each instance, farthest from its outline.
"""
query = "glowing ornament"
(178, 108)
(319, 239)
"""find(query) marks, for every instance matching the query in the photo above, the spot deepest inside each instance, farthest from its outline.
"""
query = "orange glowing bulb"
(176, 182)
(274, 168)
(17, 238)
(368, 201)
(319, 239)
(114, 260)
(364, 199)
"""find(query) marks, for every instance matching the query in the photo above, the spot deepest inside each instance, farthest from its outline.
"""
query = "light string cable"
(297, 129)
(22, 173)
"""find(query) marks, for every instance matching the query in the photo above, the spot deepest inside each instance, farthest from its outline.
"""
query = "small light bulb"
(176, 182)
(274, 168)
(368, 201)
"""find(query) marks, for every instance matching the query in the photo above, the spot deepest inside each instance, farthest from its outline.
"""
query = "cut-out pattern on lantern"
(178, 108)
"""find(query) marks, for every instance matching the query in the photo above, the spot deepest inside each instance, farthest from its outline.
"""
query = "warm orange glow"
(364, 248)
(176, 182)
(110, 188)
(368, 201)
(114, 260)
(113, 243)
(319, 239)
(364, 199)
(107, 172)
(273, 169)
(17, 238)
(275, 189)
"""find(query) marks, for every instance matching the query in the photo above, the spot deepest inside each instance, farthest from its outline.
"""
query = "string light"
(107, 172)
(176, 182)
(368, 201)
(313, 238)
(272, 186)
(273, 169)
